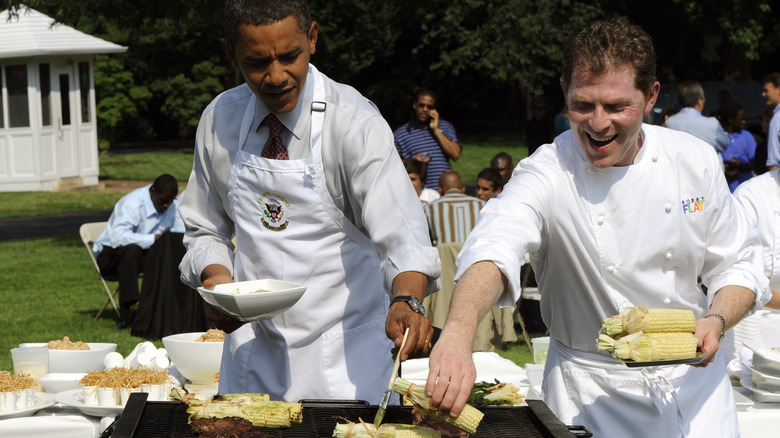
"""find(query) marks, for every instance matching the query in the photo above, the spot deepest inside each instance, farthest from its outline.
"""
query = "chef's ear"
(652, 97)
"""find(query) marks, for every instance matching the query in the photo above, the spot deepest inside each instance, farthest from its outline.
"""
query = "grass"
(49, 288)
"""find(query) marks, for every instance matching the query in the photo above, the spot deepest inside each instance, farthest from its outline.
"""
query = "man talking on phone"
(428, 138)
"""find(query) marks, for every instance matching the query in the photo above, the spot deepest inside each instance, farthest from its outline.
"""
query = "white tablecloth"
(760, 420)
(57, 421)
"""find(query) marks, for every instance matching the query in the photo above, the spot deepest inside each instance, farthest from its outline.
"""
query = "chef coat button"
(667, 301)
(654, 158)
(591, 170)
(668, 256)
(668, 208)
(601, 220)
(611, 268)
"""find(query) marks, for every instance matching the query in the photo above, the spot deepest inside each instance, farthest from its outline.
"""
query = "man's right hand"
(212, 276)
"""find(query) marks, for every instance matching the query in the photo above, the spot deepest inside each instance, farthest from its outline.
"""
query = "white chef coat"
(759, 200)
(331, 344)
(601, 240)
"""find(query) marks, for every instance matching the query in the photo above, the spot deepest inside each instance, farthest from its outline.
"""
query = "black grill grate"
(169, 420)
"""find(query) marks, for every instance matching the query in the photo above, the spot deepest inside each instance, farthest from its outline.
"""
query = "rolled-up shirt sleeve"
(509, 227)
(385, 202)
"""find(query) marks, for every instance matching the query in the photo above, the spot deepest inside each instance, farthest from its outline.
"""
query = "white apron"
(332, 343)
(610, 399)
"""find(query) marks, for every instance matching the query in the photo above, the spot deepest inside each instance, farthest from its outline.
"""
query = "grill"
(142, 419)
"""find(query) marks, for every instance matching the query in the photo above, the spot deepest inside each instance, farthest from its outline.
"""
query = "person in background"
(502, 162)
(759, 200)
(416, 170)
(489, 184)
(452, 217)
(540, 127)
(139, 218)
(740, 155)
(690, 119)
(615, 213)
(772, 94)
(562, 120)
(426, 137)
(300, 168)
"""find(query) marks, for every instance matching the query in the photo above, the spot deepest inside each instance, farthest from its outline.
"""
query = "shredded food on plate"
(212, 335)
(124, 378)
(12, 383)
(66, 344)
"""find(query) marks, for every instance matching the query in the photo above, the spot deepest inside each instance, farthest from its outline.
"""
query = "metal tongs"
(380, 414)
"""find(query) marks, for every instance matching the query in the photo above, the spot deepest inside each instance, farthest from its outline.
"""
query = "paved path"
(47, 226)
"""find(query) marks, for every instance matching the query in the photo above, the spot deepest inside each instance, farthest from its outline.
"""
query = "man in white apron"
(303, 172)
(613, 213)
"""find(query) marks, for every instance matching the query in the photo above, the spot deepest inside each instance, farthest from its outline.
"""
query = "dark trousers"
(125, 263)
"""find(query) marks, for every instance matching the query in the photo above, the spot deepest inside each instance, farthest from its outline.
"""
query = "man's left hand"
(418, 342)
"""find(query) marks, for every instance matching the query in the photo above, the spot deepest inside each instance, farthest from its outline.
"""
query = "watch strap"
(413, 302)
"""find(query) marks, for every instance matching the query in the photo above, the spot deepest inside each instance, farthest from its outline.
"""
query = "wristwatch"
(413, 302)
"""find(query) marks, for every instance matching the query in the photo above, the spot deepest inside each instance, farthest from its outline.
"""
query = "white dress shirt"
(135, 221)
(363, 173)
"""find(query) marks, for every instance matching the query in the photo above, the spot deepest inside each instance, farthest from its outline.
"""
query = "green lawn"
(50, 289)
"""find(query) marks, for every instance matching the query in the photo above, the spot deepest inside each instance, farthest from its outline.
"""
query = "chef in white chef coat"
(759, 199)
(614, 213)
(334, 211)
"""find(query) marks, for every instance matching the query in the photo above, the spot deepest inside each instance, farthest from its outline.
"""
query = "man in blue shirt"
(138, 220)
(772, 94)
(690, 119)
(428, 138)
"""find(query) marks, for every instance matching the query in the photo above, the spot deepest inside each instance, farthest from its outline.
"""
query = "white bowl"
(197, 361)
(242, 301)
(77, 361)
(58, 382)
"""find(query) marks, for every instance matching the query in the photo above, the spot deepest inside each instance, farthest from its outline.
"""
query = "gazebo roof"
(31, 34)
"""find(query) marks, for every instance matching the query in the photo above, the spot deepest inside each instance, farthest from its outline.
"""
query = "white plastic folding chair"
(89, 234)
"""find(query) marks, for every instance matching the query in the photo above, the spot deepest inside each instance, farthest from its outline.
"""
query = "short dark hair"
(416, 166)
(492, 175)
(165, 184)
(607, 45)
(262, 13)
(689, 93)
(773, 78)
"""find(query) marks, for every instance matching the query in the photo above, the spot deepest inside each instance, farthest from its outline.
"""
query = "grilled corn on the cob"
(657, 320)
(467, 421)
(387, 430)
(642, 347)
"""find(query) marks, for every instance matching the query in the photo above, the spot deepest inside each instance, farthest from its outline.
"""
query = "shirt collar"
(148, 204)
(293, 118)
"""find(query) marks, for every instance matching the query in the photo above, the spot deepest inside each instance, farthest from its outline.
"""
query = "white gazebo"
(48, 128)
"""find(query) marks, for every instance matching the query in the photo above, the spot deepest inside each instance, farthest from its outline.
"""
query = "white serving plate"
(760, 394)
(73, 398)
(240, 300)
(42, 401)
(54, 383)
(765, 360)
(764, 381)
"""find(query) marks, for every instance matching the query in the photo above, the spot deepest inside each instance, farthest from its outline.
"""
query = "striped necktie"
(274, 148)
